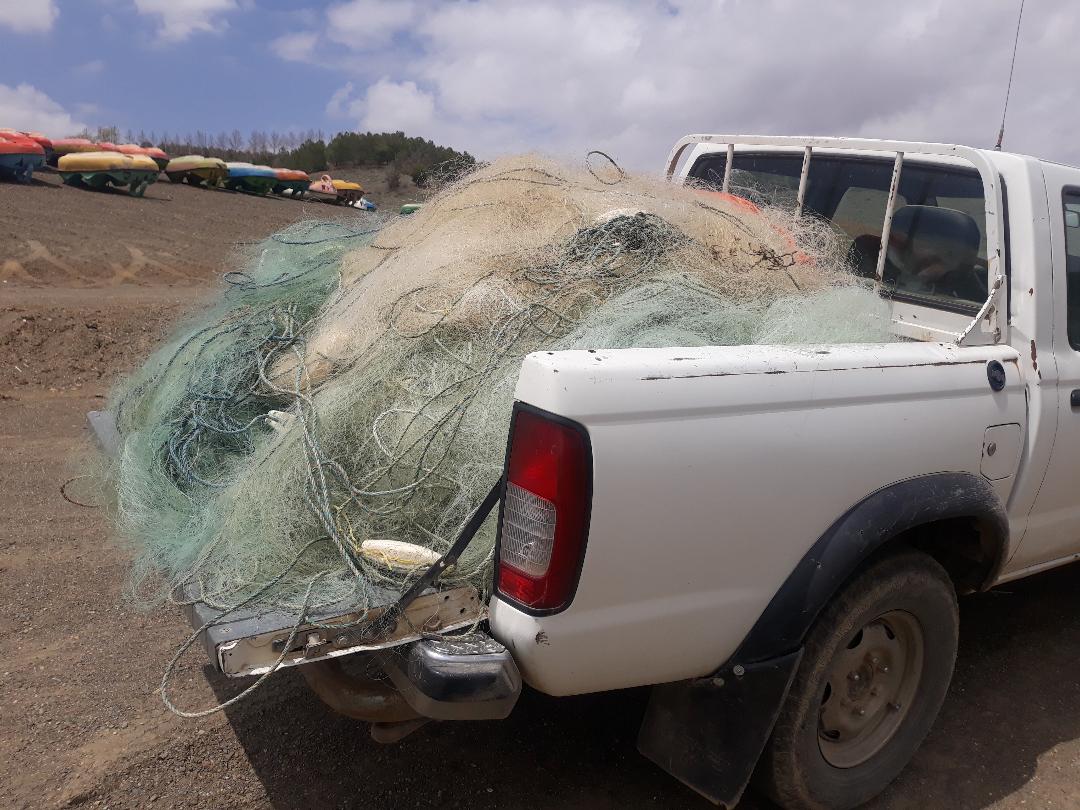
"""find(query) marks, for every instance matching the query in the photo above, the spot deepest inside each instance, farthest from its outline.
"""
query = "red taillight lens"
(545, 511)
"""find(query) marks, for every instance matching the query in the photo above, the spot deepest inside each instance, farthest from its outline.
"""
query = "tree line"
(307, 150)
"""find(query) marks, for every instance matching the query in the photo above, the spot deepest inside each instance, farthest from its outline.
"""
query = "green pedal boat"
(250, 178)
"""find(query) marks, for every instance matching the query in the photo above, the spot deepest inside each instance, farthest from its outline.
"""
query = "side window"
(1071, 202)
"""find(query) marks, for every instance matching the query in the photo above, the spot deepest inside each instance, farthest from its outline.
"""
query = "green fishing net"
(355, 384)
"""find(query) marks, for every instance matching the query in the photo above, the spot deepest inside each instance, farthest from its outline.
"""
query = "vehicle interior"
(937, 244)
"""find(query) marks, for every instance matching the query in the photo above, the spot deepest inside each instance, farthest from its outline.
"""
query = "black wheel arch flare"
(861, 532)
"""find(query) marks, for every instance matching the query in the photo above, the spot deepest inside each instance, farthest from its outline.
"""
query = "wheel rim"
(869, 688)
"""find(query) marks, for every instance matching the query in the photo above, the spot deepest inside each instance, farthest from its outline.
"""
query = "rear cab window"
(937, 245)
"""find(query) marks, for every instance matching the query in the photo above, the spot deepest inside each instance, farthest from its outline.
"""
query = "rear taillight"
(545, 511)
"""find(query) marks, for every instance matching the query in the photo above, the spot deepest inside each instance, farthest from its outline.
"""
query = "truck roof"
(921, 151)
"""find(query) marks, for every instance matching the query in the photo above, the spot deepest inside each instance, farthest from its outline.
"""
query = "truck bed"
(716, 469)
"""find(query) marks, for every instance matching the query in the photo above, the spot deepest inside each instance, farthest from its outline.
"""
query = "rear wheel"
(875, 670)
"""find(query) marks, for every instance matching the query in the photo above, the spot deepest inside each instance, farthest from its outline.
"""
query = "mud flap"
(708, 733)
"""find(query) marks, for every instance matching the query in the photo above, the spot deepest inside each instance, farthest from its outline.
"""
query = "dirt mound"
(51, 343)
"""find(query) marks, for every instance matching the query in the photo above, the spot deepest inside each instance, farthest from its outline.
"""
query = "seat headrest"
(929, 223)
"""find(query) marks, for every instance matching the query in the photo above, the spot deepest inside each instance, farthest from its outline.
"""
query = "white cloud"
(28, 16)
(87, 109)
(341, 102)
(364, 23)
(179, 19)
(91, 68)
(27, 108)
(295, 47)
(630, 77)
(391, 106)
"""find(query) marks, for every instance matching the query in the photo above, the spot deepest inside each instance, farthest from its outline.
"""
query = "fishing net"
(355, 385)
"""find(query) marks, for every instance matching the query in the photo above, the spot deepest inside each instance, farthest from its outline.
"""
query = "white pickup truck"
(774, 537)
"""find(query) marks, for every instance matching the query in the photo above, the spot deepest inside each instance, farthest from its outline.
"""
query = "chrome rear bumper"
(466, 677)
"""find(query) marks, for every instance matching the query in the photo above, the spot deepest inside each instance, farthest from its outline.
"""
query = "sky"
(499, 76)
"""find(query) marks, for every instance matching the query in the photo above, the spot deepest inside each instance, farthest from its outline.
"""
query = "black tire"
(793, 770)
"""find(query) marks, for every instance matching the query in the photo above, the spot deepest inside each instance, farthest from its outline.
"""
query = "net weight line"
(387, 620)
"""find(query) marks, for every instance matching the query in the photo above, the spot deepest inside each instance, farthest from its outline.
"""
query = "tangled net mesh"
(354, 385)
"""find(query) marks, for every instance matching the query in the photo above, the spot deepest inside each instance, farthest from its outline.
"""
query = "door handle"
(1074, 398)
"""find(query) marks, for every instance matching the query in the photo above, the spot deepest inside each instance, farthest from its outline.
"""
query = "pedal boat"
(250, 178)
(20, 156)
(98, 170)
(291, 181)
(196, 170)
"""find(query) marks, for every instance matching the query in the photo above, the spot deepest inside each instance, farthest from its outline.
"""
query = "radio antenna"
(1008, 88)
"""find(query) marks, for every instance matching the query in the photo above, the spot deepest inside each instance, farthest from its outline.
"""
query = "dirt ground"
(89, 283)
(175, 235)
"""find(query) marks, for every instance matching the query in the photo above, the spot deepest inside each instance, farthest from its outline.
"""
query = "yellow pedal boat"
(101, 169)
(197, 170)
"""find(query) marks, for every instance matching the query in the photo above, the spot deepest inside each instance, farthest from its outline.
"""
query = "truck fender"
(710, 732)
(858, 534)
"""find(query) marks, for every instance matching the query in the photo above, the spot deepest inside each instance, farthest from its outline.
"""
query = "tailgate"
(254, 643)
